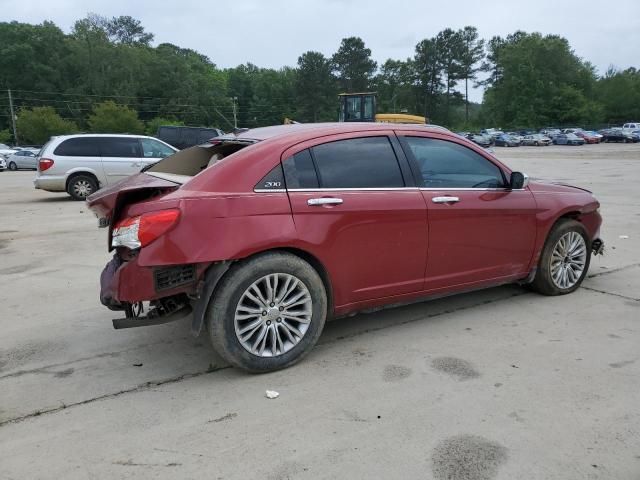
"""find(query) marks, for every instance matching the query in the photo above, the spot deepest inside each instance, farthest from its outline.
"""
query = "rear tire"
(12, 166)
(81, 186)
(256, 320)
(565, 259)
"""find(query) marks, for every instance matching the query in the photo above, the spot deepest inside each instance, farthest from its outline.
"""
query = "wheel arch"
(78, 173)
(218, 270)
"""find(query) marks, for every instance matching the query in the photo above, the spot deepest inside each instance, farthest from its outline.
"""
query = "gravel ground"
(497, 384)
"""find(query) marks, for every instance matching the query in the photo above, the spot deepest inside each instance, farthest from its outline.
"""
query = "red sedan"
(589, 137)
(263, 235)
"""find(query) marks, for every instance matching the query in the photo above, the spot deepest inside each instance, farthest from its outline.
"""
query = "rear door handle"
(316, 202)
(445, 199)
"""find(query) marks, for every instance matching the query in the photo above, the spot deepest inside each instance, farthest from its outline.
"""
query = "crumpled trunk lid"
(108, 202)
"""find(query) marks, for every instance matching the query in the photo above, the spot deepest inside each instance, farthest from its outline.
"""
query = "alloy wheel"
(273, 315)
(568, 260)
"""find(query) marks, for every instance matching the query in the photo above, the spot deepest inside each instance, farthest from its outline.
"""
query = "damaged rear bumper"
(125, 285)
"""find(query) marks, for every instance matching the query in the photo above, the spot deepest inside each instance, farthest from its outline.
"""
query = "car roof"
(320, 129)
(79, 135)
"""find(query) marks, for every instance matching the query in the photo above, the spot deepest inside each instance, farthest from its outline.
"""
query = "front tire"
(565, 259)
(12, 166)
(267, 312)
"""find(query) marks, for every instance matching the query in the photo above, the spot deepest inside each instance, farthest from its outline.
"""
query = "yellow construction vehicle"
(361, 107)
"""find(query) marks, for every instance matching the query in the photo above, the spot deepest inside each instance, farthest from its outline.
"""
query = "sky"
(273, 33)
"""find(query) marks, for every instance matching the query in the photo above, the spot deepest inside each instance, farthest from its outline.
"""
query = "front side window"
(120, 147)
(367, 162)
(154, 149)
(444, 164)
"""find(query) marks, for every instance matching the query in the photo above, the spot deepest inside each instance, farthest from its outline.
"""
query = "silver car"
(82, 164)
(23, 160)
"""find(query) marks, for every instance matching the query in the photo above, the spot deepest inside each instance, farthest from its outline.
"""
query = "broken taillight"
(136, 232)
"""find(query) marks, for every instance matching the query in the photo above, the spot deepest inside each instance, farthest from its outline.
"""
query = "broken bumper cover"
(124, 285)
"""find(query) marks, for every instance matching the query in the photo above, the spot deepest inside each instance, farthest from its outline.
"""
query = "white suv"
(81, 164)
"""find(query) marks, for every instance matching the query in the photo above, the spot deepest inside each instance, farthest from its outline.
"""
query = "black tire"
(81, 186)
(543, 282)
(12, 166)
(222, 309)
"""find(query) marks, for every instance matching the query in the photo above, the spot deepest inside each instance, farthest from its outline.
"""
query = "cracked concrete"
(557, 389)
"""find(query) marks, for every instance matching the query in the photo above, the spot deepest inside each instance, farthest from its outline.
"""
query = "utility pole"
(13, 118)
(235, 113)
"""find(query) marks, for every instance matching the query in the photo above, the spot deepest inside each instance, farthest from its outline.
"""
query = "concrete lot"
(500, 384)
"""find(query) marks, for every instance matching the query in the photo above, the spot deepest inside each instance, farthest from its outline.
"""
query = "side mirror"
(518, 181)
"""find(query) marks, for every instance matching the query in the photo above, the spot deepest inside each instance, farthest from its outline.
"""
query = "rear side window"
(78, 147)
(368, 162)
(120, 147)
(444, 164)
(299, 171)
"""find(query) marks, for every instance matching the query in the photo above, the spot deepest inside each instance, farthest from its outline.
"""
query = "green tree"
(353, 65)
(127, 30)
(316, 96)
(157, 122)
(472, 54)
(5, 136)
(427, 64)
(109, 117)
(539, 81)
(619, 94)
(449, 44)
(37, 125)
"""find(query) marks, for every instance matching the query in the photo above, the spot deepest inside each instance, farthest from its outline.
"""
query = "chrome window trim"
(364, 189)
(270, 190)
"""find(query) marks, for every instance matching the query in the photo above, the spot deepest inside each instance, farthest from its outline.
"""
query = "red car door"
(356, 207)
(479, 229)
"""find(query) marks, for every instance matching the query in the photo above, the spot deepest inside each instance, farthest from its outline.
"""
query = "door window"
(78, 147)
(120, 147)
(154, 149)
(444, 164)
(299, 171)
(367, 162)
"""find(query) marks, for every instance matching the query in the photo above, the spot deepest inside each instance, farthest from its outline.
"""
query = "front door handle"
(445, 199)
(316, 202)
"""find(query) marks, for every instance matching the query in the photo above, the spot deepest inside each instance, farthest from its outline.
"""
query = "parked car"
(306, 222)
(516, 136)
(484, 141)
(536, 140)
(636, 136)
(6, 150)
(616, 135)
(589, 137)
(567, 139)
(572, 130)
(631, 127)
(505, 140)
(185, 137)
(81, 164)
(23, 160)
(550, 132)
(492, 132)
(3, 164)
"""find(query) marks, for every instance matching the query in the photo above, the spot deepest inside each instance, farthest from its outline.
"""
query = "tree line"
(105, 75)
